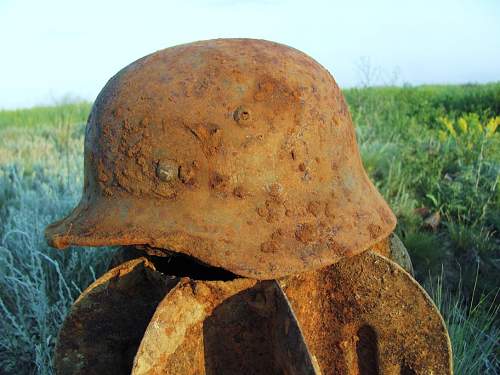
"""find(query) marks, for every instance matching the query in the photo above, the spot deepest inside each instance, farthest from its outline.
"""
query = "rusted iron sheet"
(194, 147)
(289, 347)
(106, 324)
(365, 315)
(216, 328)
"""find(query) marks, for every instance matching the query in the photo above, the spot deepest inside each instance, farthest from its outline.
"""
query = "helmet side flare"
(238, 152)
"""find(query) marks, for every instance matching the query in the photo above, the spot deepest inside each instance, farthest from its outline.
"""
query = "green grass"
(473, 329)
(418, 161)
(417, 149)
(40, 180)
(41, 117)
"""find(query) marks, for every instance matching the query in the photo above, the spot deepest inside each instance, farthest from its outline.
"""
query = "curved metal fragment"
(366, 315)
(399, 254)
(288, 342)
(106, 323)
(393, 248)
(212, 327)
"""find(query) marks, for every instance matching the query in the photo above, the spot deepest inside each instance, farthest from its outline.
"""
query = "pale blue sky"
(54, 48)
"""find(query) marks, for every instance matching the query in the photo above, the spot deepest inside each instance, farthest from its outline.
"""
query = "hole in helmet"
(181, 265)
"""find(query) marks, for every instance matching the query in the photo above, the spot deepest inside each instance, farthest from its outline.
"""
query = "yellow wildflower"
(492, 125)
(443, 136)
(462, 124)
(449, 125)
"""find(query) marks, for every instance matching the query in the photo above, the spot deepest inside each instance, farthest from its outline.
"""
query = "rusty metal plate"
(107, 322)
(216, 328)
(193, 147)
(366, 315)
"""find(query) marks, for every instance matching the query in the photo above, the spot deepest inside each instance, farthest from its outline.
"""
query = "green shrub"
(427, 153)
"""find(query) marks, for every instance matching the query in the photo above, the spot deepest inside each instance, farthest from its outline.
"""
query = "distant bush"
(425, 104)
(39, 117)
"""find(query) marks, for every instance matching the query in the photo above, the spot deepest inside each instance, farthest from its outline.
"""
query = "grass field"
(433, 151)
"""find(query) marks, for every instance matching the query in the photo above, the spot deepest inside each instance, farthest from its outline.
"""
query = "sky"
(56, 50)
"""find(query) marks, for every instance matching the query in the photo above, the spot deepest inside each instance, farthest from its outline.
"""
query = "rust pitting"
(187, 173)
(306, 232)
(240, 192)
(217, 181)
(374, 230)
(242, 115)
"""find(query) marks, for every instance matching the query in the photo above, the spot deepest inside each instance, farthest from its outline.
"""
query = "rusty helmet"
(238, 152)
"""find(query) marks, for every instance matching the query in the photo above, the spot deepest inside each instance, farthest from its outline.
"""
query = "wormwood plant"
(40, 180)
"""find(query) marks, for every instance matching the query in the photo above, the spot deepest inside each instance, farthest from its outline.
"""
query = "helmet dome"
(238, 152)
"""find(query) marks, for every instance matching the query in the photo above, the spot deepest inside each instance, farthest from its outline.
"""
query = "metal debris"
(107, 322)
(235, 327)
(366, 315)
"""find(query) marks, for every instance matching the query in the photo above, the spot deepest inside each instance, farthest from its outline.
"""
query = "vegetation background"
(433, 151)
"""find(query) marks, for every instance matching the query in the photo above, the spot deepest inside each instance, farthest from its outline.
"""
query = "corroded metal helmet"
(238, 152)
